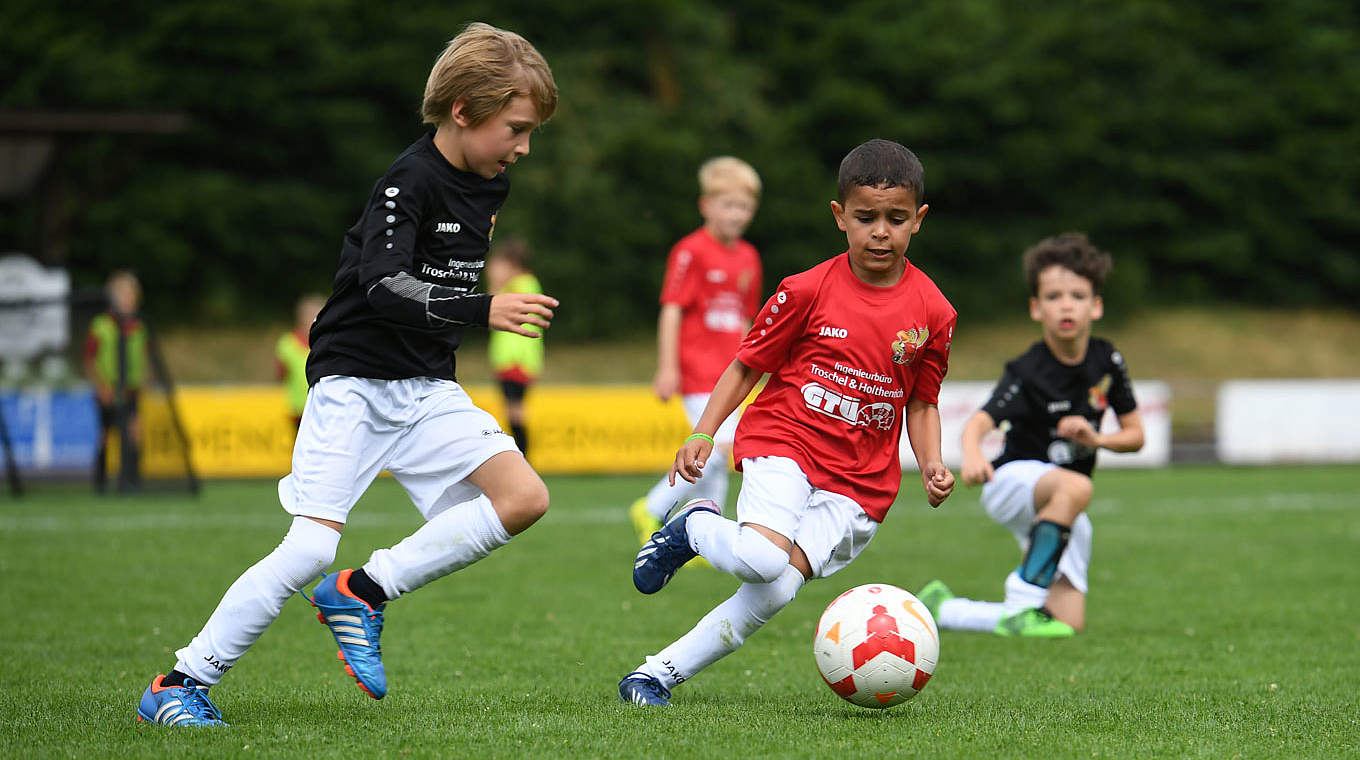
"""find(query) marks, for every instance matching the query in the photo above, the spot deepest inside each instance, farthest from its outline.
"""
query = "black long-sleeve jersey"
(403, 291)
(1036, 390)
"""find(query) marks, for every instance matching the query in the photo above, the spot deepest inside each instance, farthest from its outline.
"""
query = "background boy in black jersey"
(1049, 401)
(383, 395)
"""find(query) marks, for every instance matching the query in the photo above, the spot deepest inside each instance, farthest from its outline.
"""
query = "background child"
(848, 344)
(711, 291)
(290, 354)
(1050, 400)
(516, 360)
(116, 363)
(383, 393)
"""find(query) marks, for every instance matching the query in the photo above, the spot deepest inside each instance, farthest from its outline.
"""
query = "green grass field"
(1222, 623)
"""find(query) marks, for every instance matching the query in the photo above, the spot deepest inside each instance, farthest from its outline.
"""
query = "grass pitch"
(1222, 623)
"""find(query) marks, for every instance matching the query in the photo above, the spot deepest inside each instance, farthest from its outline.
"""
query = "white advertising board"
(1268, 421)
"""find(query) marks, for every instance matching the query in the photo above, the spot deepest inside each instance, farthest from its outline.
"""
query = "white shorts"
(832, 529)
(694, 409)
(1009, 500)
(425, 431)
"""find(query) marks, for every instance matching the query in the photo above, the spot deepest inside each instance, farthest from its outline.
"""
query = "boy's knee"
(1079, 489)
(760, 561)
(523, 506)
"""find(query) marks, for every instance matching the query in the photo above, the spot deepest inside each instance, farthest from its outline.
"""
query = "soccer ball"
(876, 645)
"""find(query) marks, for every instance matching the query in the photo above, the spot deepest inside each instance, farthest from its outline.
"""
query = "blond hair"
(487, 67)
(726, 174)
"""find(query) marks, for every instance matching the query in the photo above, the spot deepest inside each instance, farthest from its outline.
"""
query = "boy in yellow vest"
(516, 360)
(290, 354)
(116, 363)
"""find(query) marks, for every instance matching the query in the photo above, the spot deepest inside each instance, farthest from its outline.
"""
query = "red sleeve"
(91, 346)
(678, 287)
(935, 363)
(782, 321)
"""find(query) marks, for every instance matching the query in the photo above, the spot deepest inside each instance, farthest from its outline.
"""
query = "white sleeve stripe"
(406, 286)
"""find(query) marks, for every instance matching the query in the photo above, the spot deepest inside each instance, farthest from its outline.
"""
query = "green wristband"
(704, 436)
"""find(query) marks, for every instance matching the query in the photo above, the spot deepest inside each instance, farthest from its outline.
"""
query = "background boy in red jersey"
(850, 345)
(711, 292)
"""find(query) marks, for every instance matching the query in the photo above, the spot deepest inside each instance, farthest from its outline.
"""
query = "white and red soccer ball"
(876, 645)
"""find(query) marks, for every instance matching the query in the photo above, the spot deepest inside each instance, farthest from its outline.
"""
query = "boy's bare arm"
(734, 386)
(1129, 437)
(923, 431)
(976, 469)
(667, 380)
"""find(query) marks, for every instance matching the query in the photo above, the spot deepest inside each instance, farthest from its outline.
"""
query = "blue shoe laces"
(194, 699)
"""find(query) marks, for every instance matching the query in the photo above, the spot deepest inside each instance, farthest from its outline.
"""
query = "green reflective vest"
(292, 354)
(509, 350)
(104, 331)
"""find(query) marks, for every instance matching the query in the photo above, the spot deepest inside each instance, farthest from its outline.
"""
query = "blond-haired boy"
(711, 292)
(383, 394)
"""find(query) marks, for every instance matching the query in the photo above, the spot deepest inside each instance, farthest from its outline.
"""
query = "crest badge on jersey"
(1099, 398)
(908, 341)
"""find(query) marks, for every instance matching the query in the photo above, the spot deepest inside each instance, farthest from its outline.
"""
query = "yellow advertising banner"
(246, 431)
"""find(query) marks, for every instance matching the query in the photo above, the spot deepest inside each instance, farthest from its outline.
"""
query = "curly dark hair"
(1070, 250)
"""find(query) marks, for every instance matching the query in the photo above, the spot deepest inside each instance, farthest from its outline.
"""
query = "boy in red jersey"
(850, 345)
(710, 294)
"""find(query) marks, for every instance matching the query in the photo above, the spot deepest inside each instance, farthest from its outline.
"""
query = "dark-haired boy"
(853, 345)
(1049, 401)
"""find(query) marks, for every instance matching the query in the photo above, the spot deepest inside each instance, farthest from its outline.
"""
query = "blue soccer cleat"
(668, 549)
(356, 628)
(641, 689)
(186, 705)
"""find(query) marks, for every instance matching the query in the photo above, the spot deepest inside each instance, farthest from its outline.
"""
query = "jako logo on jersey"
(833, 332)
(447, 227)
(904, 348)
(851, 411)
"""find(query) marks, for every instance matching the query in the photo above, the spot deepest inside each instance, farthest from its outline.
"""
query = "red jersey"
(718, 291)
(844, 357)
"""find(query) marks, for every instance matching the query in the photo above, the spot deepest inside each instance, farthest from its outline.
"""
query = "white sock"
(1021, 595)
(663, 495)
(959, 614)
(451, 541)
(713, 485)
(736, 549)
(255, 599)
(723, 630)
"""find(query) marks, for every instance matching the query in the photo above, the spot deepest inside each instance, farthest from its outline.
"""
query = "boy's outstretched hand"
(690, 460)
(939, 483)
(511, 311)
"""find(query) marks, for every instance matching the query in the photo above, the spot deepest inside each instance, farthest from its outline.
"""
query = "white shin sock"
(256, 598)
(451, 541)
(959, 614)
(723, 630)
(736, 549)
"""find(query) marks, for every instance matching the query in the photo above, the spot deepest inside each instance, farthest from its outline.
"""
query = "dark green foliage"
(1212, 147)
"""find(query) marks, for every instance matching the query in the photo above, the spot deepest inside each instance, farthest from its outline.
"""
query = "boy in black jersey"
(383, 394)
(1049, 402)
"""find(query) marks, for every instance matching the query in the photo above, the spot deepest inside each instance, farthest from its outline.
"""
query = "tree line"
(1212, 147)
